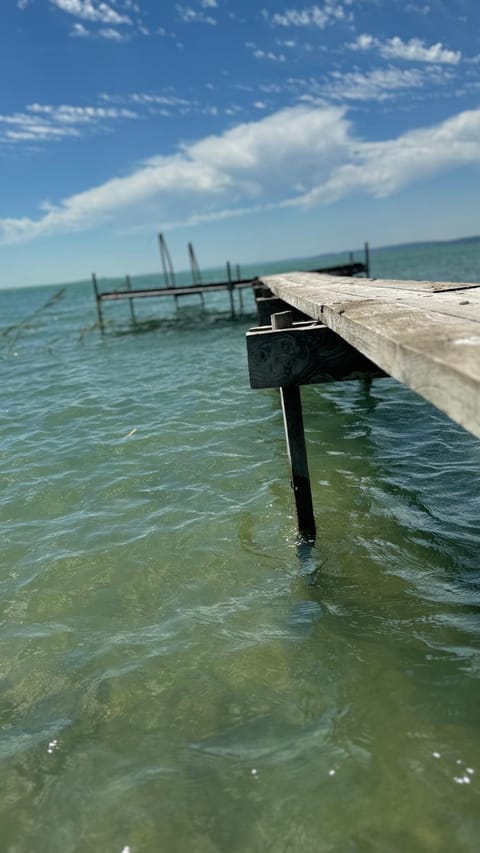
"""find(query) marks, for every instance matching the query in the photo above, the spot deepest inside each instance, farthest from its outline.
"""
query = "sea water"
(176, 675)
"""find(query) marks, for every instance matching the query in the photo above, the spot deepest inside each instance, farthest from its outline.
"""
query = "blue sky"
(256, 130)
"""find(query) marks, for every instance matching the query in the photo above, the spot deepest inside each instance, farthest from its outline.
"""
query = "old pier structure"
(233, 285)
(337, 324)
(325, 328)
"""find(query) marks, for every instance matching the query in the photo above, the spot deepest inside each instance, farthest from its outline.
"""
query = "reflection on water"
(175, 675)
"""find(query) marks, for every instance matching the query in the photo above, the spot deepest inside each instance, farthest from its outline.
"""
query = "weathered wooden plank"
(464, 303)
(435, 352)
(365, 289)
(304, 354)
(427, 286)
(187, 290)
(361, 284)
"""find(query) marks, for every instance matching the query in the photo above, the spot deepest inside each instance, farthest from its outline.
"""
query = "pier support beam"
(285, 356)
(296, 446)
(132, 309)
(230, 290)
(98, 303)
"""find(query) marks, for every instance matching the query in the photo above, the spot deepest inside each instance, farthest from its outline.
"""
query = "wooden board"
(305, 354)
(187, 290)
(425, 334)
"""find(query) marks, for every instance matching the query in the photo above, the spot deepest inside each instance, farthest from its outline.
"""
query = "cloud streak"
(46, 123)
(312, 16)
(189, 15)
(108, 33)
(414, 50)
(298, 156)
(382, 168)
(92, 10)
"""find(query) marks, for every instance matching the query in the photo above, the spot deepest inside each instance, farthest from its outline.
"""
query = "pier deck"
(198, 287)
(424, 334)
(180, 290)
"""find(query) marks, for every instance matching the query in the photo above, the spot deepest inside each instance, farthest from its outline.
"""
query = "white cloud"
(265, 54)
(379, 84)
(44, 123)
(149, 99)
(270, 55)
(162, 104)
(414, 50)
(92, 10)
(194, 16)
(81, 32)
(107, 33)
(111, 34)
(418, 10)
(47, 123)
(313, 16)
(363, 42)
(35, 131)
(260, 162)
(298, 156)
(381, 168)
(80, 115)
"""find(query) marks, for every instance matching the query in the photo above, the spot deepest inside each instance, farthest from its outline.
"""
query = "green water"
(175, 674)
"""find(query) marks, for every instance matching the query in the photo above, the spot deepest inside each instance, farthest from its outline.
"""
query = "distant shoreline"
(373, 249)
(280, 261)
(475, 238)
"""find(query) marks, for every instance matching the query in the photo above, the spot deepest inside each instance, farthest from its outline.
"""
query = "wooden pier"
(176, 292)
(424, 334)
(234, 285)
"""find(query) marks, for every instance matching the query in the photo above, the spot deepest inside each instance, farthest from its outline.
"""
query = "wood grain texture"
(425, 334)
(303, 355)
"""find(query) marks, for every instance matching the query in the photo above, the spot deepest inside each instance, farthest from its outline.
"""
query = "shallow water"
(175, 673)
